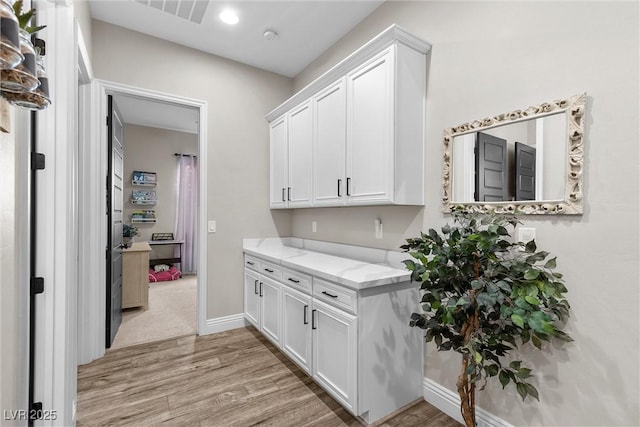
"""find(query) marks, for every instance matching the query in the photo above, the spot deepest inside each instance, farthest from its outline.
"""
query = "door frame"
(92, 344)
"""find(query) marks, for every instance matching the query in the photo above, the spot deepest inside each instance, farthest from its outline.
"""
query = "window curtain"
(187, 212)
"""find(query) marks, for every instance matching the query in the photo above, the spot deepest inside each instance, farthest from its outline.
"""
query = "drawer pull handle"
(268, 270)
(313, 319)
(250, 262)
(293, 280)
(255, 287)
(289, 193)
(261, 289)
(306, 321)
(329, 295)
(339, 185)
(348, 189)
(283, 194)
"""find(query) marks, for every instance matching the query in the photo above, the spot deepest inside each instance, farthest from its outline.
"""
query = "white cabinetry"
(335, 343)
(296, 327)
(299, 141)
(262, 298)
(354, 342)
(364, 119)
(291, 179)
(329, 145)
(279, 162)
(370, 142)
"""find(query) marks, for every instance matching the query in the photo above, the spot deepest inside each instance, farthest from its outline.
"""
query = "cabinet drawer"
(336, 295)
(251, 262)
(296, 280)
(270, 270)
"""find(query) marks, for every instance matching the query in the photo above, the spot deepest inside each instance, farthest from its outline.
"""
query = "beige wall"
(489, 58)
(83, 15)
(152, 150)
(238, 97)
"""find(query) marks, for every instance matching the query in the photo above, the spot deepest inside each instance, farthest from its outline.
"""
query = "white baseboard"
(226, 323)
(449, 403)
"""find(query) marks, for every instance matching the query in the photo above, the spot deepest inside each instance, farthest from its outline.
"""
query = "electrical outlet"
(314, 226)
(379, 229)
(211, 226)
(525, 235)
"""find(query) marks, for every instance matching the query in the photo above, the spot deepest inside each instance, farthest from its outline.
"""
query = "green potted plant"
(129, 231)
(483, 296)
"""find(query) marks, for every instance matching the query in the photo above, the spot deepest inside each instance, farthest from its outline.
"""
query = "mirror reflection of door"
(525, 157)
(115, 203)
(491, 168)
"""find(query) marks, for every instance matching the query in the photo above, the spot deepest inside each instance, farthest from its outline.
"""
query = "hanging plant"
(24, 19)
(26, 85)
(483, 296)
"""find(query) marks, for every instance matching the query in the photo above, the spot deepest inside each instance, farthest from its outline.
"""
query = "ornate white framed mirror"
(526, 161)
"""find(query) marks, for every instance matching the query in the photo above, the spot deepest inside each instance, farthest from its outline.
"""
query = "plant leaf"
(522, 390)
(504, 378)
(531, 274)
(517, 320)
(532, 391)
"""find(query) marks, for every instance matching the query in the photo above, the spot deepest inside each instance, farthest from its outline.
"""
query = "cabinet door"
(370, 124)
(334, 339)
(299, 142)
(279, 160)
(296, 327)
(270, 311)
(329, 146)
(252, 297)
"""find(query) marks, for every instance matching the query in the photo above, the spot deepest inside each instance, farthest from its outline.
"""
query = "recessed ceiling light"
(229, 17)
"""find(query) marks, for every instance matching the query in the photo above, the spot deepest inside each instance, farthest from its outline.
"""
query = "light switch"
(314, 226)
(525, 235)
(212, 226)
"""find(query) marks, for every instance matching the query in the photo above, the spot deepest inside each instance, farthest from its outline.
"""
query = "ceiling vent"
(191, 10)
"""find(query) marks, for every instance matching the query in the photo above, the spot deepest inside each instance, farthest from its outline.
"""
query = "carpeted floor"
(171, 313)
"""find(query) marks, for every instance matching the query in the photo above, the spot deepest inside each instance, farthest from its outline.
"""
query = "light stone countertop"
(355, 267)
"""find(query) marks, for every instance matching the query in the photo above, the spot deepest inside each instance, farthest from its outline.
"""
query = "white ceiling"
(156, 114)
(305, 30)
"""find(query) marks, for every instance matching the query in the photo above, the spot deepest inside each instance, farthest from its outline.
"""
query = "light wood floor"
(234, 378)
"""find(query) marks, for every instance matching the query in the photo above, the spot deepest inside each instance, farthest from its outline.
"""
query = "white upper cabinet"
(370, 144)
(300, 136)
(329, 146)
(361, 125)
(279, 163)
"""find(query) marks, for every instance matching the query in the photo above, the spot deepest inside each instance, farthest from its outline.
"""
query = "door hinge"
(37, 161)
(37, 285)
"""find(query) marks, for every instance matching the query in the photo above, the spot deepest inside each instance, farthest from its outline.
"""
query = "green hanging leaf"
(522, 390)
(530, 247)
(532, 391)
(531, 274)
(504, 378)
(532, 300)
(517, 320)
(551, 263)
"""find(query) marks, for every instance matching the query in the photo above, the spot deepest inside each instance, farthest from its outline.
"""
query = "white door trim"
(107, 87)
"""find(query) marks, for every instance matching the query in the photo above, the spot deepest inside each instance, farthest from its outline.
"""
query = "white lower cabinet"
(270, 309)
(335, 342)
(262, 304)
(356, 344)
(296, 327)
(252, 297)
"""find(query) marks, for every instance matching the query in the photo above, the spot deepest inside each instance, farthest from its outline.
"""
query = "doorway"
(94, 303)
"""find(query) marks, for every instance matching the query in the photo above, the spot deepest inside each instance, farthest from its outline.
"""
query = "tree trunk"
(466, 387)
(467, 392)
